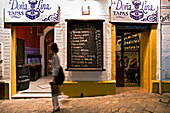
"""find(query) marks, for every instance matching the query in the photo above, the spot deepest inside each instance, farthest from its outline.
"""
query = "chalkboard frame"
(69, 24)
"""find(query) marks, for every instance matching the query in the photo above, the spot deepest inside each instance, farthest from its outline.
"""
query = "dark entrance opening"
(128, 54)
(28, 57)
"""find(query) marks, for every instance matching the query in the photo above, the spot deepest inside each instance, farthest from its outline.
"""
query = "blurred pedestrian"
(55, 70)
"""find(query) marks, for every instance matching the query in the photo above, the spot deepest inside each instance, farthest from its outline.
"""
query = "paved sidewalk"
(129, 103)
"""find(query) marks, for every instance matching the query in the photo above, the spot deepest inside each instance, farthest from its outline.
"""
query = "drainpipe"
(10, 97)
(161, 71)
(159, 48)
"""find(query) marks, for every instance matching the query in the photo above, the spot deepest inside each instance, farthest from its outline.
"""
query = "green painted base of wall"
(88, 88)
(4, 90)
(164, 86)
(155, 86)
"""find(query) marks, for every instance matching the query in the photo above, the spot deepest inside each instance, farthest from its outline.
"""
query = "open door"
(49, 38)
(128, 57)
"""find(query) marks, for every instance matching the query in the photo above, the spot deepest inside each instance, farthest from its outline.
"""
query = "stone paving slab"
(119, 103)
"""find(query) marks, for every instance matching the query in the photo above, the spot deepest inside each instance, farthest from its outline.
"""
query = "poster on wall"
(85, 45)
(40, 30)
(165, 12)
(31, 11)
(136, 11)
(165, 28)
(165, 16)
(165, 3)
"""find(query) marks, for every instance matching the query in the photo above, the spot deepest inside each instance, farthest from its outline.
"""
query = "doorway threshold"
(37, 95)
(32, 95)
(125, 90)
(131, 84)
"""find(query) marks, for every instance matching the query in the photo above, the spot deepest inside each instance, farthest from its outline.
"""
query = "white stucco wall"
(166, 51)
(71, 9)
(5, 38)
(165, 35)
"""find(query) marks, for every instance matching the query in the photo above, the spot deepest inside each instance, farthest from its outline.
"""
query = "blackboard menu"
(85, 45)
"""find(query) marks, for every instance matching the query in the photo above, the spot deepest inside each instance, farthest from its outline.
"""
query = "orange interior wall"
(29, 34)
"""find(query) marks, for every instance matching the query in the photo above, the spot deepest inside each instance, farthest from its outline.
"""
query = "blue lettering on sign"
(17, 9)
(121, 6)
(165, 18)
(145, 8)
(16, 14)
(140, 9)
(16, 5)
(120, 13)
(30, 9)
(41, 7)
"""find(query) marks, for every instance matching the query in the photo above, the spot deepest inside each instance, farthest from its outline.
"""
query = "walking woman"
(55, 70)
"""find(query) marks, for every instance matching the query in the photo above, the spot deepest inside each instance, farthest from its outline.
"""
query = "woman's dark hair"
(54, 48)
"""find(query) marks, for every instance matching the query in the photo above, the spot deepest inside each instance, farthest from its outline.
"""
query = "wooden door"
(49, 38)
(119, 61)
(20, 52)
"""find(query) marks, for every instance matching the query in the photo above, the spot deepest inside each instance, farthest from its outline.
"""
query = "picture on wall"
(40, 30)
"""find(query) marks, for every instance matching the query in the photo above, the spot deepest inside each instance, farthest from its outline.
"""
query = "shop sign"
(141, 11)
(165, 12)
(31, 11)
(165, 3)
(85, 10)
(165, 16)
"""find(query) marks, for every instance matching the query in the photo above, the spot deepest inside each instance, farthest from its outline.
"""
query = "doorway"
(28, 43)
(49, 39)
(128, 54)
(127, 58)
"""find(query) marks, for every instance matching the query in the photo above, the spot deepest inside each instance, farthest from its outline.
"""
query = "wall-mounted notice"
(165, 12)
(85, 45)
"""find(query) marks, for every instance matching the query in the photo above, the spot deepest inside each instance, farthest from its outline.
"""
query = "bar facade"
(93, 39)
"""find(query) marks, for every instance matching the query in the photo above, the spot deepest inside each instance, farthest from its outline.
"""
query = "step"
(37, 95)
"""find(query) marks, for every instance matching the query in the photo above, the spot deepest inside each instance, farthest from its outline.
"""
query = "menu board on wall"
(85, 45)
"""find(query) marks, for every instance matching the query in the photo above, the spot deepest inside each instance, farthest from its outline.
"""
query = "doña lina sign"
(31, 11)
(140, 11)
